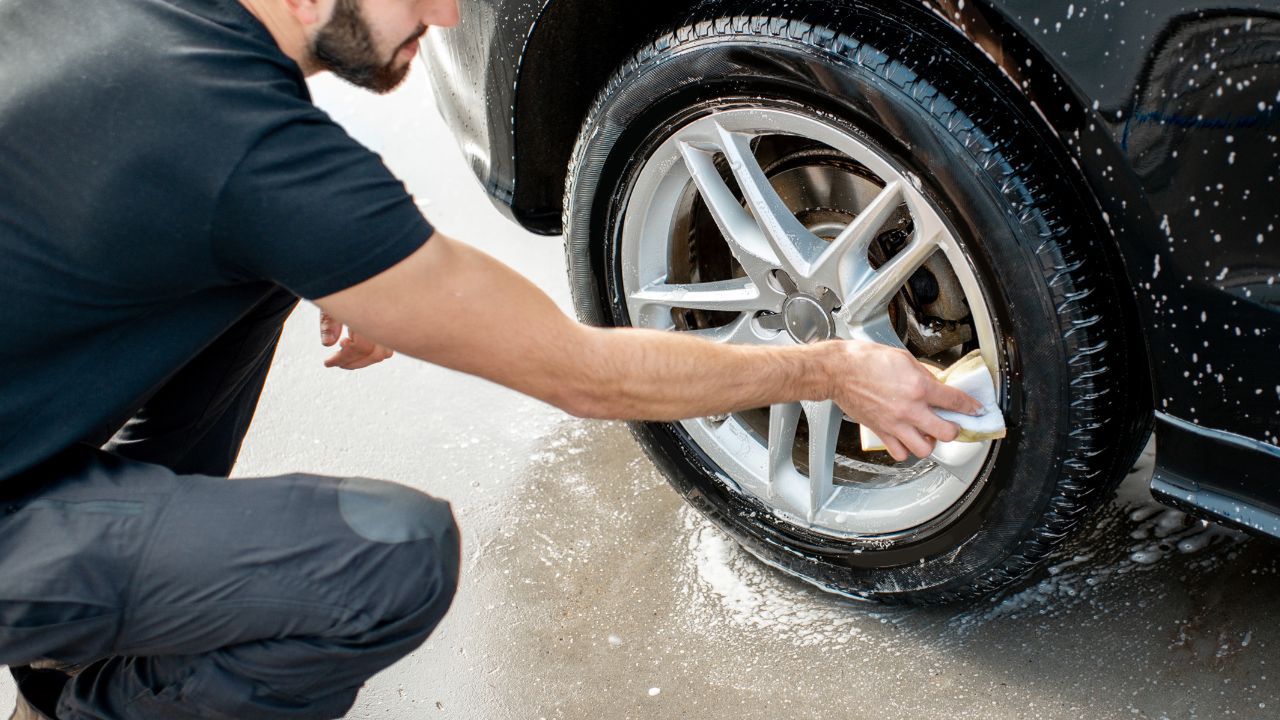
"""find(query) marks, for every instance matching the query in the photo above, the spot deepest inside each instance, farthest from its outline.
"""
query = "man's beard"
(346, 48)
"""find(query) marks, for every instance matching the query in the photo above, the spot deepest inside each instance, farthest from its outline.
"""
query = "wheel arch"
(569, 56)
(550, 103)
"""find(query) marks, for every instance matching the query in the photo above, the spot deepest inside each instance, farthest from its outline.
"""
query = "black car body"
(1169, 109)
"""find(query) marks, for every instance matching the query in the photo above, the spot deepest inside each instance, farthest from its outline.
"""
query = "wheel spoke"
(783, 421)
(824, 431)
(844, 263)
(744, 237)
(793, 244)
(773, 322)
(873, 296)
(736, 295)
(877, 329)
(738, 332)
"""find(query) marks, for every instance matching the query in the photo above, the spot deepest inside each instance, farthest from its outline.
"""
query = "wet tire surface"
(1078, 413)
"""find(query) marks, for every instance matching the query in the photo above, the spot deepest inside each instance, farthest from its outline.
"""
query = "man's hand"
(890, 392)
(354, 351)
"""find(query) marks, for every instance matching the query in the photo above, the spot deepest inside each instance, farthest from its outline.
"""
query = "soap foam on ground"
(1134, 534)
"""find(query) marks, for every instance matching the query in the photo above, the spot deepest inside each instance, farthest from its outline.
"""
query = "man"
(167, 192)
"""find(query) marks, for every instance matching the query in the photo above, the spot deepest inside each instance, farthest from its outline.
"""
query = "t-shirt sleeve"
(314, 211)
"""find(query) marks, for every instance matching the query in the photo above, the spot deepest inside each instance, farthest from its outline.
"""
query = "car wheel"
(767, 180)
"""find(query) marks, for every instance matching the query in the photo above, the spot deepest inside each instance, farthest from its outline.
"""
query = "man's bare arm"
(455, 306)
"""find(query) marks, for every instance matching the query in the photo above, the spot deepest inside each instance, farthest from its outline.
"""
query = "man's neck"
(288, 33)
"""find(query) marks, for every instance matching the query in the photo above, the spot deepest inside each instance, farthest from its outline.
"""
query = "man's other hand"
(354, 351)
(890, 392)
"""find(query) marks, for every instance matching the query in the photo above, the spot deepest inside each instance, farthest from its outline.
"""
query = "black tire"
(1077, 410)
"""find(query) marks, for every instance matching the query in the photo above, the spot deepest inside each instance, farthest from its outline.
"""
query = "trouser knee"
(415, 541)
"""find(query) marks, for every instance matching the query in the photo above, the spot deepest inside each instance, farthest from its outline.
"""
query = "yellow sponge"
(971, 375)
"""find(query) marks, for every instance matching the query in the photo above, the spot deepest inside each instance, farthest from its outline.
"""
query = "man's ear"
(309, 12)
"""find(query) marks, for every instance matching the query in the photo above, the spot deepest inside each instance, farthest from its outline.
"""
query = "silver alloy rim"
(798, 282)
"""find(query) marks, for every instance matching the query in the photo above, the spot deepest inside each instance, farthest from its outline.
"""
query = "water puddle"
(1116, 562)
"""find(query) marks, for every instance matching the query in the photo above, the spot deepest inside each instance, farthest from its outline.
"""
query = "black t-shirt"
(161, 167)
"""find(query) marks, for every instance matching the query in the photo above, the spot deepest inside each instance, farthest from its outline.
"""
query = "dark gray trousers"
(188, 595)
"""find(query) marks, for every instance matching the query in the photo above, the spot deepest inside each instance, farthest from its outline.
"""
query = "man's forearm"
(455, 306)
(650, 375)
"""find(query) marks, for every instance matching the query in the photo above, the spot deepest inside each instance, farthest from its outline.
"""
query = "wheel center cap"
(807, 321)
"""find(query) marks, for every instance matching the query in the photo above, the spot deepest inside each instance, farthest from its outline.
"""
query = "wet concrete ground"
(590, 591)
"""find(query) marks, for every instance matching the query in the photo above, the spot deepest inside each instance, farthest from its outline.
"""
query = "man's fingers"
(949, 398)
(371, 359)
(350, 361)
(341, 358)
(930, 424)
(919, 445)
(895, 448)
(358, 353)
(357, 350)
(350, 352)
(376, 355)
(330, 330)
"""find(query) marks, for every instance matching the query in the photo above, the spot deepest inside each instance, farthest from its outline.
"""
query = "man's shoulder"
(216, 55)
(152, 57)
(139, 111)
